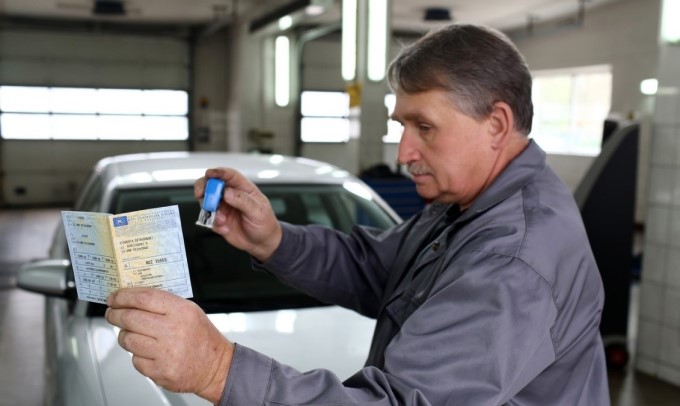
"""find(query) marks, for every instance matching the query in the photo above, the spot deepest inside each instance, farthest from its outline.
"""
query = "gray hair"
(479, 66)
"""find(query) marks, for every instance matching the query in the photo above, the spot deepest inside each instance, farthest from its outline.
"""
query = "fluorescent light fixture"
(282, 71)
(377, 39)
(74, 347)
(285, 22)
(649, 86)
(314, 10)
(670, 21)
(299, 11)
(349, 39)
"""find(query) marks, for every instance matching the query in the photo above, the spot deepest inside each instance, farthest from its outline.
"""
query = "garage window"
(570, 106)
(60, 113)
(394, 129)
(325, 116)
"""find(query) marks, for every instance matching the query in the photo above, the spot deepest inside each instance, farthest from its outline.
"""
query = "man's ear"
(501, 124)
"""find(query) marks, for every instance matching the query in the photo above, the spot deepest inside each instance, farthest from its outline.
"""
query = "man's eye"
(424, 128)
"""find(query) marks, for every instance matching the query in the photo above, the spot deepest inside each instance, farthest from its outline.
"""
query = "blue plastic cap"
(213, 194)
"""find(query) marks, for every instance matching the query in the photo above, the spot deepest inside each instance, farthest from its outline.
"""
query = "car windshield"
(221, 276)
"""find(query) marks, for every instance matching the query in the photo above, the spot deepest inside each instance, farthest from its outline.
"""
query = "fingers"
(148, 299)
(248, 204)
(245, 201)
(172, 341)
(246, 220)
(138, 344)
(140, 310)
(151, 369)
(139, 321)
(199, 187)
(231, 177)
(145, 366)
(240, 194)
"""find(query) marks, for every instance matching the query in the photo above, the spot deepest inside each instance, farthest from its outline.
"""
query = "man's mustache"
(418, 169)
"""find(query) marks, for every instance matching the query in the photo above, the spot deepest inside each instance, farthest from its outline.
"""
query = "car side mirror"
(48, 277)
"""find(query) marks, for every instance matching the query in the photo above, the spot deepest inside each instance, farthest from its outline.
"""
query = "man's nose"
(408, 151)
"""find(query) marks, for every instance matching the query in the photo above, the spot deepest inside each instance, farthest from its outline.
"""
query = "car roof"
(183, 168)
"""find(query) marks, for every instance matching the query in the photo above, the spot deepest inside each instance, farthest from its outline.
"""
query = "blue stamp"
(120, 221)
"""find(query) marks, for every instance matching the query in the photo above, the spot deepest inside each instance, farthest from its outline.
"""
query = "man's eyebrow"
(406, 117)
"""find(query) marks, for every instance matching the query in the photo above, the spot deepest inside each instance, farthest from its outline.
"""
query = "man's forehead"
(416, 105)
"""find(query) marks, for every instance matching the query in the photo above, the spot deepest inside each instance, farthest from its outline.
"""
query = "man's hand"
(247, 220)
(171, 340)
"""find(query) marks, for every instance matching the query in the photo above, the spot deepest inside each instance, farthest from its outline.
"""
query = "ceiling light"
(282, 71)
(649, 86)
(314, 10)
(377, 39)
(670, 21)
(285, 22)
(299, 11)
(349, 39)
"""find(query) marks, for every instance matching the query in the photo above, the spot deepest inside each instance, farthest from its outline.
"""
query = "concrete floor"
(26, 234)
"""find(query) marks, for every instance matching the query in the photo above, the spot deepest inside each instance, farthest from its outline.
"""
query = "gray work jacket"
(501, 308)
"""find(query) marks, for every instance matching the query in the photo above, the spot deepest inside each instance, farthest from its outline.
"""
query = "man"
(490, 296)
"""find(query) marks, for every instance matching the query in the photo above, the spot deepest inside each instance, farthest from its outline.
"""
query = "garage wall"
(658, 336)
(234, 74)
(213, 56)
(49, 172)
(623, 34)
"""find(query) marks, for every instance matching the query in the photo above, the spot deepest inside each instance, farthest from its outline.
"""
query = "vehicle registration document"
(140, 248)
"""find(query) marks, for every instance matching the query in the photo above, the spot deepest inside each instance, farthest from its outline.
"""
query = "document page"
(92, 256)
(141, 248)
(149, 249)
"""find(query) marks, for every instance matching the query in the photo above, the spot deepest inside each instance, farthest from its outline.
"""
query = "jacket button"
(435, 246)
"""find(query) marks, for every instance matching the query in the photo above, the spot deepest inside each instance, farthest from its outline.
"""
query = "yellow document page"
(92, 256)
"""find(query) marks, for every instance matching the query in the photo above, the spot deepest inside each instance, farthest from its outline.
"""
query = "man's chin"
(427, 193)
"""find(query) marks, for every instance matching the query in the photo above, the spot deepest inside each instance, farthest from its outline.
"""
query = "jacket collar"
(514, 177)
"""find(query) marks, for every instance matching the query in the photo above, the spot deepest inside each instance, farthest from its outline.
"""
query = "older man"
(490, 296)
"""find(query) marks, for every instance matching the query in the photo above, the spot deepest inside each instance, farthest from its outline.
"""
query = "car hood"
(326, 337)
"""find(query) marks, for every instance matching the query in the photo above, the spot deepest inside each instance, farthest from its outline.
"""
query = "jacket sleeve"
(482, 334)
(349, 270)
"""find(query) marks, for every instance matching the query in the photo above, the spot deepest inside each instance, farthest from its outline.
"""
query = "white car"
(84, 363)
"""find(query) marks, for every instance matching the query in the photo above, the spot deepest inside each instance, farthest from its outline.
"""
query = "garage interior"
(222, 53)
